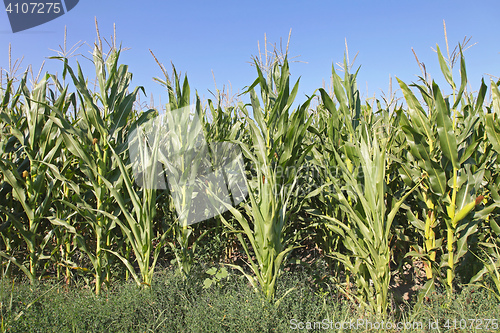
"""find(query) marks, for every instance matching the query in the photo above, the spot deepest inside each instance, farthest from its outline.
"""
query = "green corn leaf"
(494, 226)
(462, 242)
(469, 150)
(339, 91)
(328, 103)
(18, 189)
(437, 177)
(62, 223)
(418, 117)
(127, 264)
(424, 293)
(463, 81)
(445, 129)
(493, 131)
(496, 98)
(480, 97)
(445, 69)
(420, 150)
(18, 264)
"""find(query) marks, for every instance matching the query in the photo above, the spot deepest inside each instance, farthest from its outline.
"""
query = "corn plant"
(90, 141)
(338, 128)
(325, 128)
(366, 231)
(491, 268)
(185, 157)
(277, 154)
(443, 145)
(219, 126)
(491, 119)
(354, 204)
(35, 144)
(489, 245)
(139, 223)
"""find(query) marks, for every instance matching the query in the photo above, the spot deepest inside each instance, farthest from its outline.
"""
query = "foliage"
(94, 189)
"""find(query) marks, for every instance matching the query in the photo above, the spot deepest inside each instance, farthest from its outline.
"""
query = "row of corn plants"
(94, 187)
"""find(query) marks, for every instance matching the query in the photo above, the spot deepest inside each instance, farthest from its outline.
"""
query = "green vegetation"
(176, 305)
(347, 203)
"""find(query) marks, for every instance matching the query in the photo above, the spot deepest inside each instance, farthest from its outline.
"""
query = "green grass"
(176, 305)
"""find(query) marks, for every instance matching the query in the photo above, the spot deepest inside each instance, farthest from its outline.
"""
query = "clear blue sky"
(221, 36)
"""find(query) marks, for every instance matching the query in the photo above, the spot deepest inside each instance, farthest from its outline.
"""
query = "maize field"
(372, 187)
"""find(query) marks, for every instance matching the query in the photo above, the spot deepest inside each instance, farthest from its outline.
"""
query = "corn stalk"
(366, 232)
(184, 153)
(102, 125)
(35, 141)
(443, 149)
(277, 154)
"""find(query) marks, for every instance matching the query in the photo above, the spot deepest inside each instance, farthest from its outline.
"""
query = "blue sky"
(221, 36)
